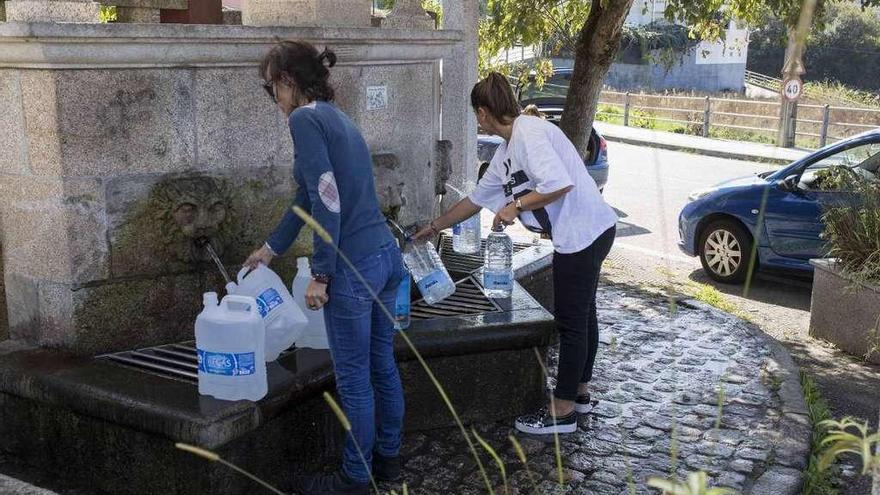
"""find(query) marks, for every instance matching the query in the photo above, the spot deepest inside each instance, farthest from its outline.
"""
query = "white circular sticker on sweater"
(328, 192)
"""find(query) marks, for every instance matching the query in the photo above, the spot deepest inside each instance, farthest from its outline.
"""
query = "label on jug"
(497, 281)
(227, 364)
(431, 280)
(456, 229)
(268, 300)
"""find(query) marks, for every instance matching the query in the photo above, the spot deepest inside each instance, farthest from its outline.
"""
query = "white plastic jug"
(285, 320)
(230, 342)
(315, 334)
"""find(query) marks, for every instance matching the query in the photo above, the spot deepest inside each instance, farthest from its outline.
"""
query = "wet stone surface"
(662, 378)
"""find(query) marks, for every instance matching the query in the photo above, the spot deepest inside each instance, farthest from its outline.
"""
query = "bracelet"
(270, 249)
(434, 227)
(321, 278)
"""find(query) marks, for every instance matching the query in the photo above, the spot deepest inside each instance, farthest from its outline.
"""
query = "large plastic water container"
(428, 271)
(230, 342)
(466, 235)
(284, 319)
(315, 334)
(498, 266)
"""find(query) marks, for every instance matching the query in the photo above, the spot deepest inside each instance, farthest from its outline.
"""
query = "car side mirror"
(789, 184)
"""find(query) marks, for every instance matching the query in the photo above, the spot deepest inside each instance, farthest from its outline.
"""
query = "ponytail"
(495, 95)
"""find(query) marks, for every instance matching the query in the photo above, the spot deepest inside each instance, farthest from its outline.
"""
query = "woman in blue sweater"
(334, 174)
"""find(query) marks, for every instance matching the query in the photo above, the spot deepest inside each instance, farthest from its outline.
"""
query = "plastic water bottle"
(427, 269)
(285, 320)
(230, 343)
(466, 235)
(315, 334)
(498, 267)
(402, 305)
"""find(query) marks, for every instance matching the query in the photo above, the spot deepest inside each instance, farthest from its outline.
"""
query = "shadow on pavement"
(792, 293)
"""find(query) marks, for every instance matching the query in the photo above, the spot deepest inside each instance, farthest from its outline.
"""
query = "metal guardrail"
(703, 113)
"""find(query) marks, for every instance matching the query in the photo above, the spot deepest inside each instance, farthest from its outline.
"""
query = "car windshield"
(555, 87)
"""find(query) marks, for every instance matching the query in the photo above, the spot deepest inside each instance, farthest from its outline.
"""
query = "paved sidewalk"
(737, 150)
(661, 377)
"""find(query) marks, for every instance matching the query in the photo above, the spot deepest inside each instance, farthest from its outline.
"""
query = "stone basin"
(112, 428)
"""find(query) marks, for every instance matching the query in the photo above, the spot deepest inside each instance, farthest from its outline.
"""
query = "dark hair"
(301, 62)
(495, 95)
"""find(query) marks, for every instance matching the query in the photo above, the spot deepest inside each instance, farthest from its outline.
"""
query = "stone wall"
(124, 152)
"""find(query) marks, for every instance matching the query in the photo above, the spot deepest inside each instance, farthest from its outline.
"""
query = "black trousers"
(575, 281)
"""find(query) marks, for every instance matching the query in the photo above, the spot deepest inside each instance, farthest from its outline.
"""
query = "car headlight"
(699, 193)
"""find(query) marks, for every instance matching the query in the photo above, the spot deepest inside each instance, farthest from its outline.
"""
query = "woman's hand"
(505, 216)
(426, 233)
(263, 256)
(316, 295)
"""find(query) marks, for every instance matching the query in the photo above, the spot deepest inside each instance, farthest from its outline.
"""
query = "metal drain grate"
(178, 361)
(468, 299)
(468, 263)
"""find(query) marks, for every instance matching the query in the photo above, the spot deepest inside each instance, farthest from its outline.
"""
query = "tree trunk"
(597, 45)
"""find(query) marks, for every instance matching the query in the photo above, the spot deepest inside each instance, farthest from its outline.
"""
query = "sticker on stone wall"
(377, 97)
(328, 192)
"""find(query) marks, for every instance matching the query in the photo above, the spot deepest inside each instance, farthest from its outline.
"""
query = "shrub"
(853, 229)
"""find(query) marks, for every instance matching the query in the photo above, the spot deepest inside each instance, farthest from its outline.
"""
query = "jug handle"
(250, 302)
(241, 273)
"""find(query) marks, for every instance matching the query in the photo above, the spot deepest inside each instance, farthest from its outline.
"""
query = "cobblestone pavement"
(681, 389)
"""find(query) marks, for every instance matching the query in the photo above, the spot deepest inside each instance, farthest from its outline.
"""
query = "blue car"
(721, 223)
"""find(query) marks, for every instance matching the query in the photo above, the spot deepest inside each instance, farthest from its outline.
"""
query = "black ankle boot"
(337, 483)
(386, 468)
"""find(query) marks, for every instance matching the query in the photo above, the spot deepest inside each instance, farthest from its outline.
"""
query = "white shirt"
(539, 157)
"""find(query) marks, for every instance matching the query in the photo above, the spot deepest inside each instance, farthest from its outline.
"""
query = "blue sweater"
(334, 172)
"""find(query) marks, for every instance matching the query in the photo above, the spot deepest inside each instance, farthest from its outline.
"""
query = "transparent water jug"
(428, 271)
(315, 334)
(466, 235)
(402, 304)
(285, 320)
(230, 343)
(498, 266)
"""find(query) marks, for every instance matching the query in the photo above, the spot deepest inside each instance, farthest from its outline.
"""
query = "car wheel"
(725, 250)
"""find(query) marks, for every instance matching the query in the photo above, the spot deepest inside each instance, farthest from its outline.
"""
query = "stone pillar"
(324, 13)
(408, 14)
(145, 11)
(52, 11)
(459, 76)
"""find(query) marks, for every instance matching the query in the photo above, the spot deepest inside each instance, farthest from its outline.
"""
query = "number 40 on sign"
(792, 89)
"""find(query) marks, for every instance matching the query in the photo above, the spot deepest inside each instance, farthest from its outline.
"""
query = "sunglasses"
(269, 86)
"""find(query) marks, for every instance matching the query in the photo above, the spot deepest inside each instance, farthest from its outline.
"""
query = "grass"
(817, 481)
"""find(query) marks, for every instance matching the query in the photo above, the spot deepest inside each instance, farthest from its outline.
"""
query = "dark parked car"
(721, 223)
(550, 100)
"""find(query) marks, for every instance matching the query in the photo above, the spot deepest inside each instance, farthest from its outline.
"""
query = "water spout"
(213, 255)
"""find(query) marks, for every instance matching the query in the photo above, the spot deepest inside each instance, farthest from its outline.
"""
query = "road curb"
(751, 157)
(791, 442)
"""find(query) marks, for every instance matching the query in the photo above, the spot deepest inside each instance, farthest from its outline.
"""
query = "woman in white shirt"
(538, 176)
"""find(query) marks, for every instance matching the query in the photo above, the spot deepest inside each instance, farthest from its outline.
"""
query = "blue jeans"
(361, 340)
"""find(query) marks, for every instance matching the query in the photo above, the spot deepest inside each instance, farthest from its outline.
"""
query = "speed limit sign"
(792, 88)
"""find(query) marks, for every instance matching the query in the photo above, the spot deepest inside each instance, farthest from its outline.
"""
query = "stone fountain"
(130, 146)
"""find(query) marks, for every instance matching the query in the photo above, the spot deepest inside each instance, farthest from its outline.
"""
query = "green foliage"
(817, 481)
(853, 230)
(696, 484)
(838, 50)
(849, 436)
(107, 14)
